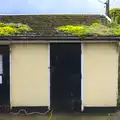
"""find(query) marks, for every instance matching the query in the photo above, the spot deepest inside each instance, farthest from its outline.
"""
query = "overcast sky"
(54, 6)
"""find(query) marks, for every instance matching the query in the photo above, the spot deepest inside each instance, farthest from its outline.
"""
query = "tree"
(115, 15)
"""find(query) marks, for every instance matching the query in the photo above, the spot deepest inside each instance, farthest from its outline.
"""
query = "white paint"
(65, 41)
(58, 41)
(0, 79)
(49, 74)
(108, 18)
(1, 64)
(82, 76)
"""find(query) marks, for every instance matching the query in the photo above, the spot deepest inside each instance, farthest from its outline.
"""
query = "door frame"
(49, 106)
(82, 75)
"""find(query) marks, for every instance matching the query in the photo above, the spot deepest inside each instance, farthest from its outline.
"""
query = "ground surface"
(55, 117)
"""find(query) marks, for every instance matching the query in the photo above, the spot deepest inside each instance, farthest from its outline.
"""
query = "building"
(59, 72)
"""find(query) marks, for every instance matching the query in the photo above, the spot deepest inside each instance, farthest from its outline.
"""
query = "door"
(65, 67)
(4, 75)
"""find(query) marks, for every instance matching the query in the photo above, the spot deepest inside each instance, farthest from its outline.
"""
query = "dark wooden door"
(65, 76)
(4, 75)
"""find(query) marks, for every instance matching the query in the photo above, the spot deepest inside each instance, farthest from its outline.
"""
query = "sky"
(55, 6)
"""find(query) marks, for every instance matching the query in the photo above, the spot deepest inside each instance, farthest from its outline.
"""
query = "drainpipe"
(107, 17)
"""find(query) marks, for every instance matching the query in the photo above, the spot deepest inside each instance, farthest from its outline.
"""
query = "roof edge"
(55, 38)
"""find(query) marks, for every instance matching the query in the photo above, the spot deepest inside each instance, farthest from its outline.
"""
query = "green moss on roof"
(95, 29)
(56, 25)
(45, 25)
(8, 29)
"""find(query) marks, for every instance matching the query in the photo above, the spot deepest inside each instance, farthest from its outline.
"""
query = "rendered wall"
(29, 75)
(30, 79)
(100, 74)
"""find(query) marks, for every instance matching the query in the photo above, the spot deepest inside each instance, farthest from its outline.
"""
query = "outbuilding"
(45, 71)
(52, 72)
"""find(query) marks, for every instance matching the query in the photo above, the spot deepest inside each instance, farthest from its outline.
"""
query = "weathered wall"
(29, 75)
(100, 74)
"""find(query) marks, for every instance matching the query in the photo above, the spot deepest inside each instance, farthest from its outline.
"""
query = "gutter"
(58, 38)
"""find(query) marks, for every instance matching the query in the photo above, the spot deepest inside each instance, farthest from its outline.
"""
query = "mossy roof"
(45, 25)
(49, 26)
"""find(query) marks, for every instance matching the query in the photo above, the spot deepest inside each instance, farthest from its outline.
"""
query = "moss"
(95, 29)
(45, 25)
(7, 29)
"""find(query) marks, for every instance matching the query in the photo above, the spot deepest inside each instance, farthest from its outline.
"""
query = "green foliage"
(75, 30)
(96, 29)
(115, 14)
(7, 29)
(96, 24)
(118, 100)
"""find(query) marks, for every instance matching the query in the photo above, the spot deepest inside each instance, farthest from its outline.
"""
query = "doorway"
(4, 75)
(65, 76)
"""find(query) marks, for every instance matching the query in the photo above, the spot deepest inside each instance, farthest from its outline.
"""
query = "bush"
(7, 29)
(115, 14)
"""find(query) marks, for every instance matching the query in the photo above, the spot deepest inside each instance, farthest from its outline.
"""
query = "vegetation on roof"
(115, 14)
(45, 25)
(7, 29)
(96, 29)
(66, 25)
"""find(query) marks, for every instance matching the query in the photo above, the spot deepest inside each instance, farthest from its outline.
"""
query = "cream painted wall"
(100, 74)
(29, 75)
(30, 79)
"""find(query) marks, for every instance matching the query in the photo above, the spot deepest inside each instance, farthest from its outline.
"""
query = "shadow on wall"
(118, 100)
